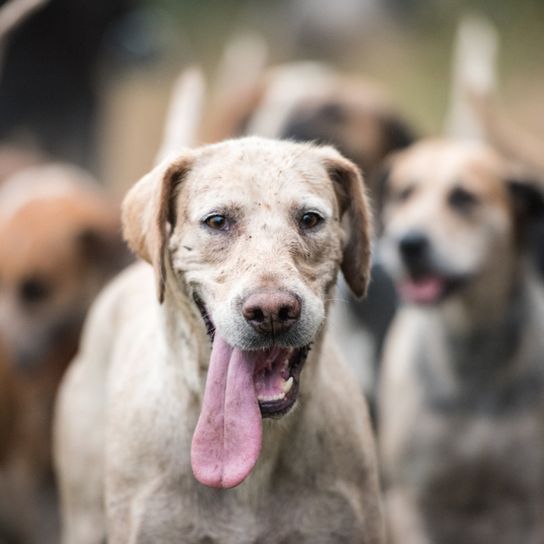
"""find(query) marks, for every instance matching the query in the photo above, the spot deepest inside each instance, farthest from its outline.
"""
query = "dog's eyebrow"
(230, 207)
(314, 203)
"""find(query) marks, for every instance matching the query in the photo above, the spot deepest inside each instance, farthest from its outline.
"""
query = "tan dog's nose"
(271, 311)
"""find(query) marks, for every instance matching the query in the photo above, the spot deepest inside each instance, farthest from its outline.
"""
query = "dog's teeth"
(272, 398)
(287, 385)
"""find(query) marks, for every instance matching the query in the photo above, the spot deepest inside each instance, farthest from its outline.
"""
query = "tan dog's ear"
(148, 214)
(354, 206)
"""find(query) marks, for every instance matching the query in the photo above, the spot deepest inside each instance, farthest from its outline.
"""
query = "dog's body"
(462, 392)
(59, 243)
(131, 401)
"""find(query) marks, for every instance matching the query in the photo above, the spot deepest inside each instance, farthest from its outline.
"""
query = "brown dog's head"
(59, 242)
(452, 221)
(364, 131)
(253, 231)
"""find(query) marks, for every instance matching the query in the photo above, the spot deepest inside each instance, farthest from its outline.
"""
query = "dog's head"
(453, 220)
(253, 232)
(360, 126)
(59, 242)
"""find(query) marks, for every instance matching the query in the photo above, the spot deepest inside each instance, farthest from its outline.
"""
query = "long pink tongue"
(228, 435)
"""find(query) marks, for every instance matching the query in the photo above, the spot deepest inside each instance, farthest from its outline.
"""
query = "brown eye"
(310, 220)
(462, 199)
(216, 221)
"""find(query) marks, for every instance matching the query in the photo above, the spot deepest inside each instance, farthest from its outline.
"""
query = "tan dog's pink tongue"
(227, 439)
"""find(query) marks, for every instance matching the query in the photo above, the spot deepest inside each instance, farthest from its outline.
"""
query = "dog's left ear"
(527, 198)
(354, 206)
(148, 214)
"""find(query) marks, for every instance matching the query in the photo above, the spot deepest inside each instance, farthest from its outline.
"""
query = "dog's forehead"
(441, 165)
(255, 171)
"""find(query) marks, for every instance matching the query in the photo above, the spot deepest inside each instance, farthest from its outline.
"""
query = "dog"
(60, 241)
(462, 390)
(206, 403)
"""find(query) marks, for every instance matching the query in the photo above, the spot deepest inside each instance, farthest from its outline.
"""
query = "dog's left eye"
(310, 220)
(462, 199)
(34, 289)
(216, 221)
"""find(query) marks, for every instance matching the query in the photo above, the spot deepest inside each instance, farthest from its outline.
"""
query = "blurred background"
(89, 81)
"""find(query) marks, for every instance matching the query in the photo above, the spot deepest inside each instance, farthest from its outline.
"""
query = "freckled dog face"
(258, 223)
(250, 233)
(447, 219)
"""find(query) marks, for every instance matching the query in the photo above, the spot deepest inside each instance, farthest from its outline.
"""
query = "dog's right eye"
(33, 290)
(216, 221)
(405, 193)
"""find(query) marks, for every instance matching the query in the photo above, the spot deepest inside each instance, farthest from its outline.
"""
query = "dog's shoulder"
(130, 290)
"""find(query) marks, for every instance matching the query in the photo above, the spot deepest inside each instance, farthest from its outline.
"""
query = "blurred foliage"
(411, 52)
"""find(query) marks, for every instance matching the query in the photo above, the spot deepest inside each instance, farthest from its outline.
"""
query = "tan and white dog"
(60, 241)
(462, 392)
(207, 403)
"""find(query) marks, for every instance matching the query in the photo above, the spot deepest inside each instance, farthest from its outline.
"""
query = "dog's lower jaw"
(430, 289)
(284, 402)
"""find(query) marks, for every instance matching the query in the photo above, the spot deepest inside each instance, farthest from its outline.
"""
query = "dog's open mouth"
(428, 289)
(242, 387)
(276, 379)
(277, 372)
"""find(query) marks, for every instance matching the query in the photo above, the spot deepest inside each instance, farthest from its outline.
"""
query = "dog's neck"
(187, 340)
(493, 365)
(486, 301)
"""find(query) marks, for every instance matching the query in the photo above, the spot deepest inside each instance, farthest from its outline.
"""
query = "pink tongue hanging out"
(227, 439)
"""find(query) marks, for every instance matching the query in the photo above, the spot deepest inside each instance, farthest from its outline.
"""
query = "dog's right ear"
(149, 217)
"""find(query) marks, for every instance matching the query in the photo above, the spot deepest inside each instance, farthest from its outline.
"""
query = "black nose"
(413, 247)
(272, 311)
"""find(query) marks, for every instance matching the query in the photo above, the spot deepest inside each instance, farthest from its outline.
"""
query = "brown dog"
(462, 392)
(160, 418)
(59, 242)
(307, 101)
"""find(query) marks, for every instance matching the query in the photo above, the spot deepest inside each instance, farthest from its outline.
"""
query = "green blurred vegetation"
(411, 53)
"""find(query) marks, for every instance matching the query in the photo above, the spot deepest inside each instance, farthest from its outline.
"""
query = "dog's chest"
(483, 474)
(285, 515)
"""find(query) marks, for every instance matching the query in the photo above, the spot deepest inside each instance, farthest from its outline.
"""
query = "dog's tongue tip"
(423, 290)
(227, 439)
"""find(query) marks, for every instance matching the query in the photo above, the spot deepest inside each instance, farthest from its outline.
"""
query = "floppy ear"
(148, 214)
(527, 205)
(354, 206)
(527, 199)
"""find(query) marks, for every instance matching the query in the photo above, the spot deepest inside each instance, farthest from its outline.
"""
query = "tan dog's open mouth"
(242, 387)
(429, 288)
